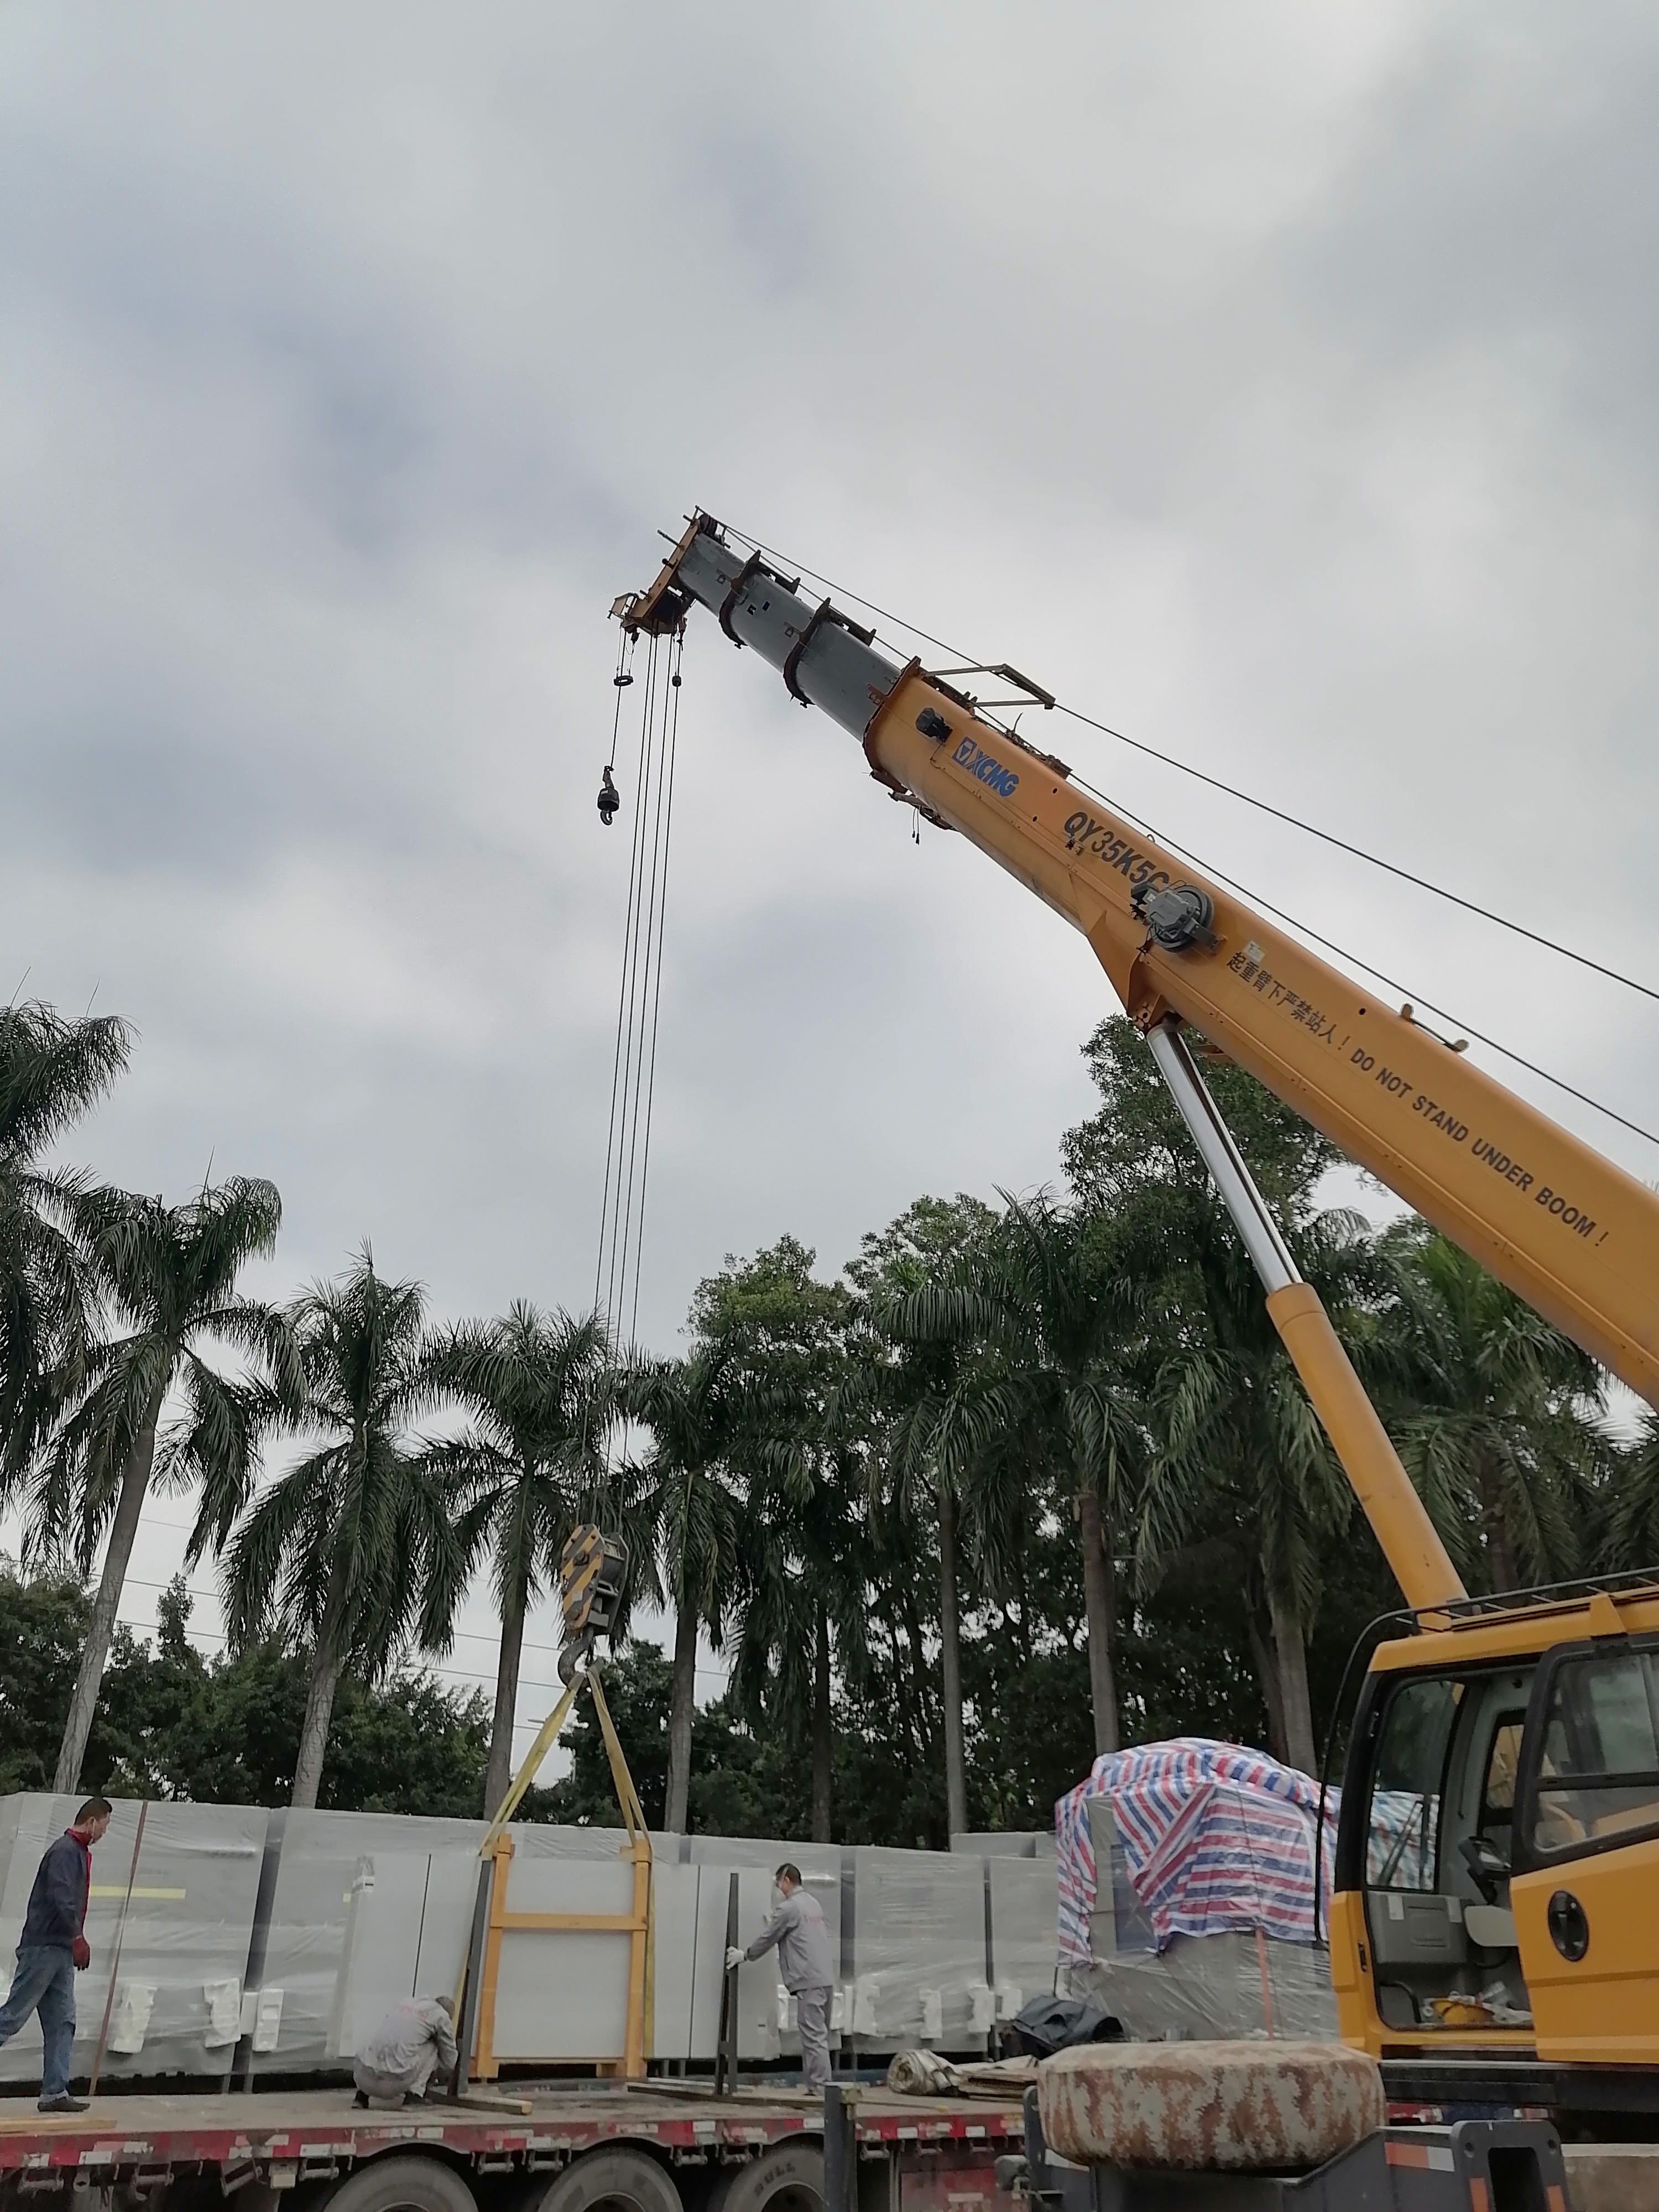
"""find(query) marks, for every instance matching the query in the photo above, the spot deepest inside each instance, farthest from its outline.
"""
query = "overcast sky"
(1274, 382)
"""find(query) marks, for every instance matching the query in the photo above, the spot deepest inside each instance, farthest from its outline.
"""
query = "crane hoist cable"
(633, 1061)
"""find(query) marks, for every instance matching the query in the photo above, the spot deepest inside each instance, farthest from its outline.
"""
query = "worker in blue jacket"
(52, 1950)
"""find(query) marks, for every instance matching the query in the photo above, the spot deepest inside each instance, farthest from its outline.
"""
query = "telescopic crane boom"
(1571, 1232)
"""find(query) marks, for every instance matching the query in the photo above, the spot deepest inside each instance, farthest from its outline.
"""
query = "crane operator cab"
(1497, 1876)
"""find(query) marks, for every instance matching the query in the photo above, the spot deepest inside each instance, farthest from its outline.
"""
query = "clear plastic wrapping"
(183, 1933)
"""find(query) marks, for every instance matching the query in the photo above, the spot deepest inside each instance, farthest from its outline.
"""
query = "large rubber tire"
(403, 2184)
(611, 2181)
(788, 2177)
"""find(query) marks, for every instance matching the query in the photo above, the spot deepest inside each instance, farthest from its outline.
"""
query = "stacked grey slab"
(258, 1943)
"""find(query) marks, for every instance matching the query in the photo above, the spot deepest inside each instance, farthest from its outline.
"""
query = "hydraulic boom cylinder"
(1402, 1527)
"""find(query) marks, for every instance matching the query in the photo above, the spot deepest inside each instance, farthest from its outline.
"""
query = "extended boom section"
(1566, 1228)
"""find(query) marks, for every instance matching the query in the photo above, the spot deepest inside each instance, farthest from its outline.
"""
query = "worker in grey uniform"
(398, 2059)
(804, 1962)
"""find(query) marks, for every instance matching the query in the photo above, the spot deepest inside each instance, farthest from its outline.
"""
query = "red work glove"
(81, 1952)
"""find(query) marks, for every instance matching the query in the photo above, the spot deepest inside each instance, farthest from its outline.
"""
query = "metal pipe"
(1269, 1253)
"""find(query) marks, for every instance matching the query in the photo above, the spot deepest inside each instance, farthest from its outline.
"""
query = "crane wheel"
(609, 2181)
(788, 2177)
(403, 2184)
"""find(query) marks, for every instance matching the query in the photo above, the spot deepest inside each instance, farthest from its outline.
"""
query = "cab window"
(1598, 1759)
(1401, 1848)
(1497, 1786)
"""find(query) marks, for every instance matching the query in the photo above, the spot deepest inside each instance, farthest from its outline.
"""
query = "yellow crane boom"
(1572, 1233)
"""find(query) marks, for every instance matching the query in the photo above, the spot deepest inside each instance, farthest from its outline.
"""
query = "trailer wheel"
(403, 2184)
(609, 2181)
(788, 2177)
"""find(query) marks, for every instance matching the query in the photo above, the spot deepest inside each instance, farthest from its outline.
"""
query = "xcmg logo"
(979, 763)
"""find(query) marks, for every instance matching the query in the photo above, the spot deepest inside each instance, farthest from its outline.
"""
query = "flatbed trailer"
(636, 2147)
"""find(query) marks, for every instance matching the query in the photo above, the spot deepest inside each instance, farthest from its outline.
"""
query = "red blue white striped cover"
(1215, 1838)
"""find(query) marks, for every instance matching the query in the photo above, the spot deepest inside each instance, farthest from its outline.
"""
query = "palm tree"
(916, 1376)
(694, 1409)
(167, 1278)
(1634, 1532)
(362, 1548)
(1049, 1394)
(51, 1072)
(537, 1386)
(810, 1554)
(1498, 1417)
(797, 1441)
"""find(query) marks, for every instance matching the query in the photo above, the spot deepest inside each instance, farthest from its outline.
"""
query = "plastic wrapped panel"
(1025, 1899)
(185, 1934)
(918, 1950)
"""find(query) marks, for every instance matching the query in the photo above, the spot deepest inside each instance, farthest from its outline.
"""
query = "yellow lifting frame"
(497, 1848)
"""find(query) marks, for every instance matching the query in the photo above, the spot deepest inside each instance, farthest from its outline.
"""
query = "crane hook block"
(610, 800)
(1176, 915)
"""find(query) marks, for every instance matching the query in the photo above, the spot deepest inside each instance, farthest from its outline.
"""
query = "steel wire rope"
(1233, 790)
(633, 1225)
(1415, 997)
(623, 657)
(662, 917)
(1411, 997)
(625, 1012)
(616, 1282)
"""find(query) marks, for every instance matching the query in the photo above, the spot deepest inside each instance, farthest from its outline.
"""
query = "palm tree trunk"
(823, 1735)
(1271, 1685)
(1500, 1559)
(129, 1504)
(319, 1698)
(682, 1710)
(1099, 1605)
(956, 1765)
(921, 1673)
(498, 1773)
(1290, 1649)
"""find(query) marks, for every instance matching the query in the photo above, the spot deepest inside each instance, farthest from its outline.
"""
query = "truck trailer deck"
(677, 2146)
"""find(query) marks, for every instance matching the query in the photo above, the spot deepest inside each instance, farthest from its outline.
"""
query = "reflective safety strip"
(1436, 2156)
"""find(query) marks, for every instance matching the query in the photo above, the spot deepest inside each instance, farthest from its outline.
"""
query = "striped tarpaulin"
(1215, 1837)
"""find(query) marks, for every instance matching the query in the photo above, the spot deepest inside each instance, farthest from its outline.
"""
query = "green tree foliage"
(166, 1280)
(1025, 1481)
(806, 1530)
(170, 1724)
(361, 1549)
(1496, 1414)
(51, 1070)
(537, 1386)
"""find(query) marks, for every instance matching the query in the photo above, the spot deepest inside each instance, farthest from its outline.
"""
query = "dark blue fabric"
(44, 1982)
(58, 1902)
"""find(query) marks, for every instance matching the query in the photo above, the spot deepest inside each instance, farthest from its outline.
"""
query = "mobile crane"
(1513, 1948)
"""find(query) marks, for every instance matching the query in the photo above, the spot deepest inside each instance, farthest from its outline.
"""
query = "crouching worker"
(804, 1967)
(413, 2040)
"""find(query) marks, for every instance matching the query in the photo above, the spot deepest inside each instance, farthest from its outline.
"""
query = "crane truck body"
(1518, 1936)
